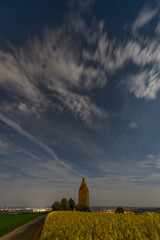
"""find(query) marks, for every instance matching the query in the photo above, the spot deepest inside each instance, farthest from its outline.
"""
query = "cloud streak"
(19, 129)
(142, 52)
(145, 16)
(55, 63)
(152, 162)
(146, 84)
(5, 147)
(133, 125)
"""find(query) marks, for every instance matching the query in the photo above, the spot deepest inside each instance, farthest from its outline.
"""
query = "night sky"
(79, 97)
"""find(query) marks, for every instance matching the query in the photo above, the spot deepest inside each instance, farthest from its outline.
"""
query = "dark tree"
(71, 203)
(64, 204)
(56, 206)
(82, 208)
(119, 210)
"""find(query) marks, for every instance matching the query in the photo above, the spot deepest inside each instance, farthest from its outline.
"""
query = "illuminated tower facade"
(83, 194)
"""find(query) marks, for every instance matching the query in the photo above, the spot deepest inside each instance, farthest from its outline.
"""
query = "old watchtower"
(83, 194)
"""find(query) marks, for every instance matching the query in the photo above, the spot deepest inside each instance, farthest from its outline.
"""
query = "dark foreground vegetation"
(9, 222)
(119, 210)
(69, 205)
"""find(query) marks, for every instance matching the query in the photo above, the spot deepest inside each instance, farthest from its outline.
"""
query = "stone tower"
(83, 194)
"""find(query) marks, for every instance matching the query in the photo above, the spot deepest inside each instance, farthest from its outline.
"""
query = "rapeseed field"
(100, 226)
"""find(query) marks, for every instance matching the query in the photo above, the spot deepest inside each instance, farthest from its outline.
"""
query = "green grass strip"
(9, 222)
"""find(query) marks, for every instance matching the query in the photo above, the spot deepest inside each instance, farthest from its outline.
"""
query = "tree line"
(69, 205)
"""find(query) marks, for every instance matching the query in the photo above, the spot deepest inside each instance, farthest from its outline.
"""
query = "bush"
(64, 204)
(71, 203)
(119, 210)
(56, 206)
(82, 208)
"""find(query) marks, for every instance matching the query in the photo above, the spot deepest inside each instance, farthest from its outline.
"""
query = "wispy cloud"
(56, 63)
(6, 147)
(19, 129)
(141, 51)
(146, 84)
(81, 6)
(61, 71)
(150, 168)
(133, 125)
(152, 161)
(158, 29)
(145, 16)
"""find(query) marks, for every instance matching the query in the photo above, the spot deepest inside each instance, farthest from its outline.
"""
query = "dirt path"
(29, 231)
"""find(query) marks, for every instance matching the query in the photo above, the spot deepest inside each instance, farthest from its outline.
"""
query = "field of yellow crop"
(100, 226)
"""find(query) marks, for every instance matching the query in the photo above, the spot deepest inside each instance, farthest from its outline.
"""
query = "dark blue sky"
(79, 93)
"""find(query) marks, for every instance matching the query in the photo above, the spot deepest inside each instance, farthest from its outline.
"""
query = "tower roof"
(83, 184)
